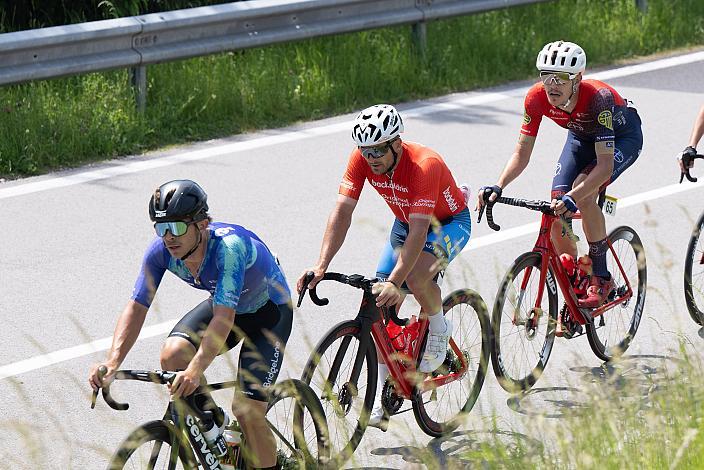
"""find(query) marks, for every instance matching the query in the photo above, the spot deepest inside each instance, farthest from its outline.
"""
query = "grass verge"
(62, 123)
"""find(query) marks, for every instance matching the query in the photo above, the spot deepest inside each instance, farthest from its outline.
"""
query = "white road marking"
(103, 344)
(12, 189)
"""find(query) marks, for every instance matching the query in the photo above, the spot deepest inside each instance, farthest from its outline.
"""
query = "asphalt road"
(72, 244)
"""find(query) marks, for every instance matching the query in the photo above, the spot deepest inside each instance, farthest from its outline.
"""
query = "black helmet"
(178, 200)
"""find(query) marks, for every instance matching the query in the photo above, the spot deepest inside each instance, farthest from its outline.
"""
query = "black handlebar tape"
(490, 217)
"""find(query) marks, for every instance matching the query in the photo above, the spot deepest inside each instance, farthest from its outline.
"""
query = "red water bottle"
(584, 272)
(410, 336)
(570, 266)
(396, 336)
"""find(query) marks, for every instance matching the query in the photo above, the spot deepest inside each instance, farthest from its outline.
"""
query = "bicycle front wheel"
(328, 373)
(441, 410)
(694, 274)
(297, 419)
(154, 445)
(611, 332)
(523, 332)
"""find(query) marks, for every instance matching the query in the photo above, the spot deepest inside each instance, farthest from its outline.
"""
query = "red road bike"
(525, 314)
(342, 369)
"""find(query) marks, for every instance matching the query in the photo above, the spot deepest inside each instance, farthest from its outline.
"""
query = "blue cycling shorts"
(445, 241)
(579, 156)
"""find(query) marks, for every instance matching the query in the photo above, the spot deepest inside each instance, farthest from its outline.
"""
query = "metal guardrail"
(138, 41)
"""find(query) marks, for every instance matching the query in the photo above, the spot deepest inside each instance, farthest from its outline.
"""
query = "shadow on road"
(631, 377)
(459, 449)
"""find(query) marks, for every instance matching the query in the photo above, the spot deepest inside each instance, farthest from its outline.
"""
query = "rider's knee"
(249, 412)
(175, 354)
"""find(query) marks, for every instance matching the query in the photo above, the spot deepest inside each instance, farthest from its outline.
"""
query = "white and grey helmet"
(376, 124)
(562, 56)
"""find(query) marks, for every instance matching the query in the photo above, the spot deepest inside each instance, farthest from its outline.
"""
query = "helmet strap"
(195, 247)
(393, 166)
(569, 100)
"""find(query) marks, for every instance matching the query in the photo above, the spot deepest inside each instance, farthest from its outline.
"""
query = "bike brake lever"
(302, 293)
(102, 370)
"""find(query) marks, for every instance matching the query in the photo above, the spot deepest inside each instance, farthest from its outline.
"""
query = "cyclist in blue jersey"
(249, 299)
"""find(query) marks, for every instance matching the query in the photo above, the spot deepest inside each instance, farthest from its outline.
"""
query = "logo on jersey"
(389, 185)
(558, 168)
(451, 203)
(347, 185)
(222, 231)
(604, 119)
(618, 156)
(158, 214)
(526, 118)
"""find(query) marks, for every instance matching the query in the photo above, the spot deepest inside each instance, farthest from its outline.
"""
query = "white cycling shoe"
(435, 349)
(379, 417)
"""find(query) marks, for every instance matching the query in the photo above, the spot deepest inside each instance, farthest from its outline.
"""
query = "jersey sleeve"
(353, 179)
(426, 182)
(154, 265)
(602, 105)
(532, 112)
(232, 263)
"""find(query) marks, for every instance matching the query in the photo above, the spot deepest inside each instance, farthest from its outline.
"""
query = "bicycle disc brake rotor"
(389, 398)
(344, 397)
(532, 322)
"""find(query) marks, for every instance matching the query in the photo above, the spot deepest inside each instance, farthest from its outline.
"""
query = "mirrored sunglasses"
(176, 228)
(375, 152)
(558, 78)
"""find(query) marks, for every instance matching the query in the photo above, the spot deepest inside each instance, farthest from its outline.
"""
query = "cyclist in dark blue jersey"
(249, 299)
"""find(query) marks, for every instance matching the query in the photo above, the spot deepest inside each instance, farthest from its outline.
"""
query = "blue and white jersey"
(238, 270)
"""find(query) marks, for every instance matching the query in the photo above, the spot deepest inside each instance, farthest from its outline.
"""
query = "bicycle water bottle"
(584, 272)
(396, 336)
(410, 335)
(214, 437)
(231, 460)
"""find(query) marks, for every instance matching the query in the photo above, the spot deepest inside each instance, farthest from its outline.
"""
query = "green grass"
(63, 123)
(643, 413)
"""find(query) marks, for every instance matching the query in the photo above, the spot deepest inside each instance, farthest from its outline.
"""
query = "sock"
(597, 252)
(436, 323)
(381, 379)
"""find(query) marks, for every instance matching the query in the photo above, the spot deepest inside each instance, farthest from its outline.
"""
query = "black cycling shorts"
(264, 332)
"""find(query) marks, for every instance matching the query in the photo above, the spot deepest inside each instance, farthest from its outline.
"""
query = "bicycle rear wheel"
(523, 335)
(297, 419)
(328, 373)
(611, 333)
(440, 411)
(694, 274)
(154, 445)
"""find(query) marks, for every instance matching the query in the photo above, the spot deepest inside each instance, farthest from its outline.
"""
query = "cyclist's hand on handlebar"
(387, 293)
(487, 194)
(94, 377)
(318, 275)
(689, 152)
(185, 383)
(564, 206)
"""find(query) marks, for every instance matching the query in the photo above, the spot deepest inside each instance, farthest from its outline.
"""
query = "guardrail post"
(138, 79)
(642, 5)
(420, 38)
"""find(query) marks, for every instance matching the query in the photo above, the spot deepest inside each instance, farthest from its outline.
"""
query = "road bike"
(176, 441)
(342, 370)
(525, 315)
(694, 260)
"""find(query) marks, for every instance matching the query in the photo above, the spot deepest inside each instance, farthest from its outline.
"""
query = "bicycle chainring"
(389, 398)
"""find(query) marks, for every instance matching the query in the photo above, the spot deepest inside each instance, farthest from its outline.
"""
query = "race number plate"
(610, 205)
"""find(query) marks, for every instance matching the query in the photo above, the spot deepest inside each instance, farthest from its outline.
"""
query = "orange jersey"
(420, 184)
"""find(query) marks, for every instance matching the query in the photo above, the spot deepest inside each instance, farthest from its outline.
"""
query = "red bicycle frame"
(550, 259)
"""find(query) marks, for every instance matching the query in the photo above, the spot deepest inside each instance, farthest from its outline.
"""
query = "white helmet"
(376, 124)
(561, 56)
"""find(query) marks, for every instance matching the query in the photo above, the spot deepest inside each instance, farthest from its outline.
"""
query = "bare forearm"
(697, 130)
(213, 339)
(593, 181)
(335, 233)
(408, 256)
(129, 324)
